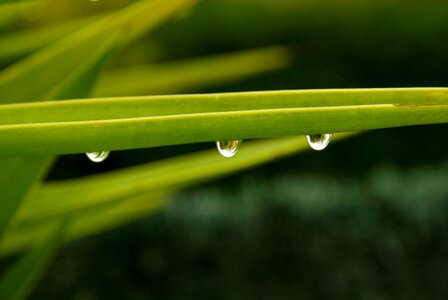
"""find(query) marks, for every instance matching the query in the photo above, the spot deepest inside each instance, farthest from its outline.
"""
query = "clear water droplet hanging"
(228, 148)
(319, 141)
(98, 156)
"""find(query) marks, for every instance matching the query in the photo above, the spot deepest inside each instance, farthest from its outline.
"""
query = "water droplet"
(228, 148)
(319, 141)
(98, 156)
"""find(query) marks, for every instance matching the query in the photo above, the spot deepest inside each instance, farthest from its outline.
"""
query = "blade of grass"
(18, 282)
(31, 169)
(187, 75)
(80, 82)
(12, 12)
(86, 223)
(128, 132)
(11, 184)
(69, 57)
(139, 107)
(167, 175)
(14, 1)
(18, 44)
(95, 196)
(130, 23)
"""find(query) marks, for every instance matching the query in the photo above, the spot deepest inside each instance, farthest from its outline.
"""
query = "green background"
(364, 219)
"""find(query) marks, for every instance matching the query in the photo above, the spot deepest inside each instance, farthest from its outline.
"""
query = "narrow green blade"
(76, 59)
(21, 172)
(13, 12)
(30, 170)
(126, 123)
(101, 202)
(21, 43)
(24, 81)
(191, 74)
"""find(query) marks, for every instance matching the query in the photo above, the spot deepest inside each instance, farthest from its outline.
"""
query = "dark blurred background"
(364, 219)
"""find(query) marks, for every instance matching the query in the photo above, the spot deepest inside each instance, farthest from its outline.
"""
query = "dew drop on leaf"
(319, 141)
(97, 156)
(228, 148)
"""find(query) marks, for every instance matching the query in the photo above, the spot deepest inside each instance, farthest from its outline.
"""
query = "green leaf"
(80, 82)
(136, 207)
(248, 62)
(167, 175)
(64, 56)
(20, 43)
(126, 123)
(86, 222)
(12, 12)
(12, 1)
(13, 181)
(16, 188)
(36, 167)
(94, 196)
(188, 75)
(18, 282)
(170, 174)
(76, 60)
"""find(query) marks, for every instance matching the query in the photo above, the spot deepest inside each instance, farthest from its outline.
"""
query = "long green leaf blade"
(30, 170)
(139, 107)
(12, 182)
(167, 175)
(15, 11)
(215, 117)
(111, 196)
(190, 74)
(24, 81)
(20, 43)
(87, 223)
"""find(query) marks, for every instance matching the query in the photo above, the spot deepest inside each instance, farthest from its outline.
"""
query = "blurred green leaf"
(12, 181)
(188, 75)
(36, 167)
(12, 12)
(167, 175)
(79, 83)
(112, 195)
(16, 188)
(86, 222)
(67, 61)
(12, 1)
(18, 281)
(20, 43)
(65, 56)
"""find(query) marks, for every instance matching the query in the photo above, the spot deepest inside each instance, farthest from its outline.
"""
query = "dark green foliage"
(292, 237)
(20, 279)
(292, 232)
